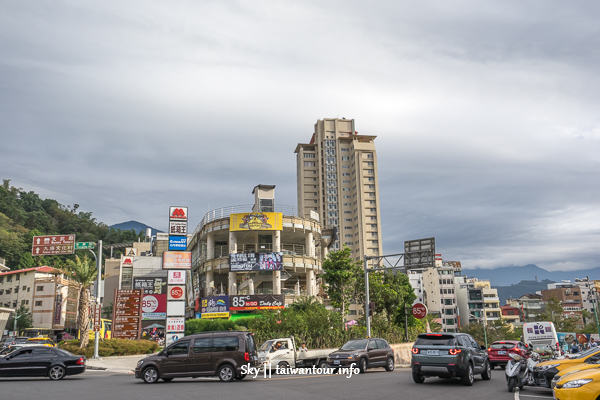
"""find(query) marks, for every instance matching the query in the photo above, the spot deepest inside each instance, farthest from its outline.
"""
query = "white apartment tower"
(337, 178)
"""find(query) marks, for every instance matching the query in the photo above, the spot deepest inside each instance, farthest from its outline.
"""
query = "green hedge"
(112, 347)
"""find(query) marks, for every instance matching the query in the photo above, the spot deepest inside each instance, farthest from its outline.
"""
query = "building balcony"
(491, 299)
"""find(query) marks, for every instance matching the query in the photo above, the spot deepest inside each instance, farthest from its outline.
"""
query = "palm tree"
(82, 271)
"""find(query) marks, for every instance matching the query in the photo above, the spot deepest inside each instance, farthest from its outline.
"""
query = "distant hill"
(506, 276)
(521, 288)
(135, 225)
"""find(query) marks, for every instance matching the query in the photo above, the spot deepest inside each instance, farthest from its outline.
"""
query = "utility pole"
(98, 282)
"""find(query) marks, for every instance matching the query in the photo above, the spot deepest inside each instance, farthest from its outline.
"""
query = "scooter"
(519, 371)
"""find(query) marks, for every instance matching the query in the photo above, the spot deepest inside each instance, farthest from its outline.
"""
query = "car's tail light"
(454, 352)
(490, 349)
(81, 361)
(246, 356)
(415, 351)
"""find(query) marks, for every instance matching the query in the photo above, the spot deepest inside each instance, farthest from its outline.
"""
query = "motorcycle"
(519, 370)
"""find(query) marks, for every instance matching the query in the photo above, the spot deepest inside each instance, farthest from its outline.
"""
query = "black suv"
(448, 355)
(363, 353)
(220, 353)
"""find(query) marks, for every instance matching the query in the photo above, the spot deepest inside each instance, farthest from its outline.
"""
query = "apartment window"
(23, 302)
(331, 191)
(38, 303)
(372, 202)
(347, 227)
(371, 179)
(344, 149)
(347, 212)
(345, 166)
(346, 189)
(369, 155)
(345, 158)
(330, 160)
(371, 194)
(348, 235)
(371, 186)
(330, 168)
(347, 219)
(347, 196)
(373, 218)
(28, 290)
(8, 291)
(1, 292)
(9, 278)
(346, 181)
(309, 164)
(2, 279)
(345, 174)
(369, 163)
(374, 234)
(16, 289)
(374, 226)
(374, 242)
(310, 155)
(370, 171)
(346, 204)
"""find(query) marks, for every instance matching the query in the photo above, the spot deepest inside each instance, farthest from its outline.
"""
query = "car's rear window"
(502, 345)
(250, 343)
(436, 340)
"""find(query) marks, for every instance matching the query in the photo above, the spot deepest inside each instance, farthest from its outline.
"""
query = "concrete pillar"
(276, 282)
(277, 274)
(310, 283)
(309, 244)
(210, 282)
(250, 286)
(232, 281)
(210, 246)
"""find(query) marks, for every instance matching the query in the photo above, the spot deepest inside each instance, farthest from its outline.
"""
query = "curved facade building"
(258, 249)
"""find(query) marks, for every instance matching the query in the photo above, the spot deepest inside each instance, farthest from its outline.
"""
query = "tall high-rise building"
(337, 178)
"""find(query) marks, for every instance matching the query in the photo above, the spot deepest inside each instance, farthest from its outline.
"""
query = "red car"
(499, 352)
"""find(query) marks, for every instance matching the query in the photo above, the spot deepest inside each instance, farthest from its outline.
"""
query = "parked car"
(574, 369)
(545, 371)
(448, 355)
(499, 352)
(364, 354)
(15, 340)
(42, 341)
(41, 361)
(220, 353)
(583, 385)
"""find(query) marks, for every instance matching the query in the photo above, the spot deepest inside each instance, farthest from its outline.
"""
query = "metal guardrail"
(225, 212)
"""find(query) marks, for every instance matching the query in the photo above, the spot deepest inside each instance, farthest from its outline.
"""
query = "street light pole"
(367, 316)
(98, 282)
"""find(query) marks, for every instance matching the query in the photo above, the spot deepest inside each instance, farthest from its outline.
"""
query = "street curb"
(94, 368)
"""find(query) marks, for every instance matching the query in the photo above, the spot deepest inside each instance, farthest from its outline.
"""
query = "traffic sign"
(419, 310)
(97, 317)
(53, 245)
(85, 245)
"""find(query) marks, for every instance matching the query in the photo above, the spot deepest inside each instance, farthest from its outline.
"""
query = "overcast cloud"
(486, 112)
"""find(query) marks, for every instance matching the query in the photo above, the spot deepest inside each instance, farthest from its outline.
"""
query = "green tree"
(341, 274)
(495, 330)
(24, 319)
(83, 271)
(555, 313)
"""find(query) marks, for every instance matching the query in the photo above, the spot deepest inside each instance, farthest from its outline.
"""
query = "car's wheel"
(56, 373)
(226, 373)
(389, 366)
(167, 379)
(283, 365)
(512, 383)
(150, 375)
(362, 365)
(240, 377)
(487, 372)
(418, 378)
(469, 377)
(323, 364)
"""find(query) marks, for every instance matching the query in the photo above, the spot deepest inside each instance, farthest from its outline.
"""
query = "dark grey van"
(203, 354)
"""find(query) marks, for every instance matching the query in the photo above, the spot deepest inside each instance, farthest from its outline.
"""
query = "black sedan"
(41, 361)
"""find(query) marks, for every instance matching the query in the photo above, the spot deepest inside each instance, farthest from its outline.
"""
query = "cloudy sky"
(486, 113)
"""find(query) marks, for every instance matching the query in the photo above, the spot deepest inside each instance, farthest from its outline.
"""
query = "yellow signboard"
(215, 315)
(256, 221)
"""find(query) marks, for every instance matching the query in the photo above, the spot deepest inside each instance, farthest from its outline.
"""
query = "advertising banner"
(177, 242)
(176, 293)
(239, 262)
(127, 313)
(257, 302)
(178, 213)
(176, 324)
(58, 309)
(177, 259)
(176, 308)
(214, 307)
(150, 285)
(177, 228)
(154, 306)
(565, 339)
(176, 278)
(173, 337)
(256, 221)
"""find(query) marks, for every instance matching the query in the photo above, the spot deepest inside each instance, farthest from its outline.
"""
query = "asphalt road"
(374, 384)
